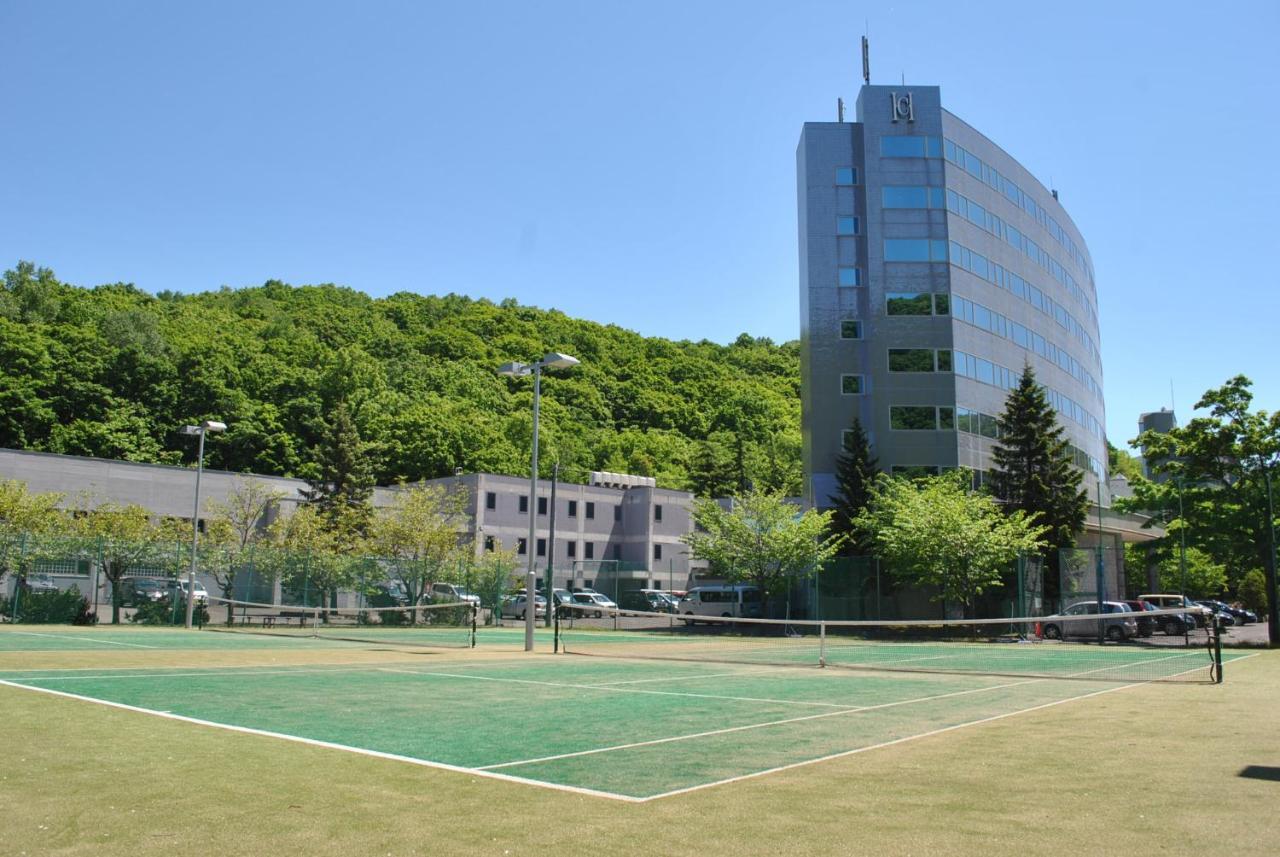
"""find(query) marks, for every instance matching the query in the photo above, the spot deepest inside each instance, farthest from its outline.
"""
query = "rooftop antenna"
(840, 110)
(866, 61)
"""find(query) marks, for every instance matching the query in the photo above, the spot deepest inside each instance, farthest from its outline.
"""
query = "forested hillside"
(112, 371)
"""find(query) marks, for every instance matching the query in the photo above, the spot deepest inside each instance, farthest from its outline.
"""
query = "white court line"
(377, 754)
(80, 639)
(852, 710)
(611, 688)
(211, 672)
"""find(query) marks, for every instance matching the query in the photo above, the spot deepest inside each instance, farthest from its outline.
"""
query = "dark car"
(1224, 617)
(136, 591)
(1147, 625)
(1240, 614)
(646, 600)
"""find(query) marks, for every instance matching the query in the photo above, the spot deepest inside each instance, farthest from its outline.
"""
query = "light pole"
(1273, 609)
(203, 429)
(553, 360)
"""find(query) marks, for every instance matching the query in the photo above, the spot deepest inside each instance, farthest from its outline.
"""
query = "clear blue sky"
(634, 163)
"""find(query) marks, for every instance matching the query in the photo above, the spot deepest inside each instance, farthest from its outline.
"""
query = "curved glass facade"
(968, 269)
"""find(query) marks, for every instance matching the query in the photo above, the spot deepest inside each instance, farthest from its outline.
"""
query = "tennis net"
(1056, 647)
(451, 625)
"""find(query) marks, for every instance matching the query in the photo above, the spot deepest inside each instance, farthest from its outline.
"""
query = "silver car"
(1063, 625)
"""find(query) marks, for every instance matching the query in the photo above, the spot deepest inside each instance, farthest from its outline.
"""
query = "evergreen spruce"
(344, 489)
(1035, 473)
(855, 477)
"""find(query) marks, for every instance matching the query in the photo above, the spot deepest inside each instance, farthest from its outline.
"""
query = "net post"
(1217, 648)
(822, 644)
(475, 612)
(555, 635)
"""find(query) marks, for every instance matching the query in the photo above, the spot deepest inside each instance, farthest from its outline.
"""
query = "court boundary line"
(79, 638)
(729, 729)
(329, 745)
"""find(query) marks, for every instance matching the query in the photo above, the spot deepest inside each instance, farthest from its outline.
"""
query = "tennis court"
(630, 729)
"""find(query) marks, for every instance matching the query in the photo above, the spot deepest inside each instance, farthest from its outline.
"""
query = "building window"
(908, 303)
(617, 552)
(489, 543)
(910, 147)
(914, 471)
(657, 513)
(942, 304)
(911, 360)
(524, 503)
(573, 508)
(914, 250)
(571, 549)
(591, 510)
(617, 512)
(846, 225)
(522, 546)
(913, 197)
(846, 176)
(490, 500)
(850, 328)
(542, 547)
(913, 418)
(589, 550)
(947, 419)
(542, 505)
(851, 385)
(849, 276)
(657, 551)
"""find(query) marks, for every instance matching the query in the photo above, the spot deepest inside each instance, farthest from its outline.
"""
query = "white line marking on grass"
(211, 672)
(847, 710)
(85, 639)
(612, 689)
(377, 754)
(884, 744)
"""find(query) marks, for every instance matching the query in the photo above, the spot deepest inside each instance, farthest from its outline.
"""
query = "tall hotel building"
(933, 267)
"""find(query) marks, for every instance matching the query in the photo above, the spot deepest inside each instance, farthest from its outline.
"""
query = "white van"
(735, 600)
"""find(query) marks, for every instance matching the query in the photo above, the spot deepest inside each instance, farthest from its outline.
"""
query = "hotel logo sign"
(903, 107)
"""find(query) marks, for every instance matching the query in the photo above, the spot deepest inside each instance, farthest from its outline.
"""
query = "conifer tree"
(344, 488)
(855, 479)
(1034, 471)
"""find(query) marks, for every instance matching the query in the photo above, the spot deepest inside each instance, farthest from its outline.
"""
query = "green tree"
(344, 487)
(1034, 472)
(418, 535)
(492, 577)
(761, 539)
(1252, 591)
(1122, 463)
(856, 470)
(124, 540)
(1204, 579)
(24, 517)
(310, 556)
(1213, 467)
(936, 532)
(234, 528)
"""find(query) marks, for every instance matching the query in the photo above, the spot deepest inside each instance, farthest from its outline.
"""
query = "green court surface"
(626, 729)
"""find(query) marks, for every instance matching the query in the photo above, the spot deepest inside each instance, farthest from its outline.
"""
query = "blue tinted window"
(850, 276)
(846, 176)
(906, 197)
(936, 199)
(906, 250)
(846, 226)
(910, 147)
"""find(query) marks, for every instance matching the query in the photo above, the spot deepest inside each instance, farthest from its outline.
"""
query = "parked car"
(37, 583)
(1198, 614)
(179, 588)
(136, 591)
(453, 593)
(1063, 625)
(1147, 625)
(514, 606)
(1241, 615)
(646, 600)
(735, 600)
(1222, 614)
(591, 599)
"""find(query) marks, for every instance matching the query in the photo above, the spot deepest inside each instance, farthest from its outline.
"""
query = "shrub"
(165, 612)
(68, 606)
(1252, 591)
